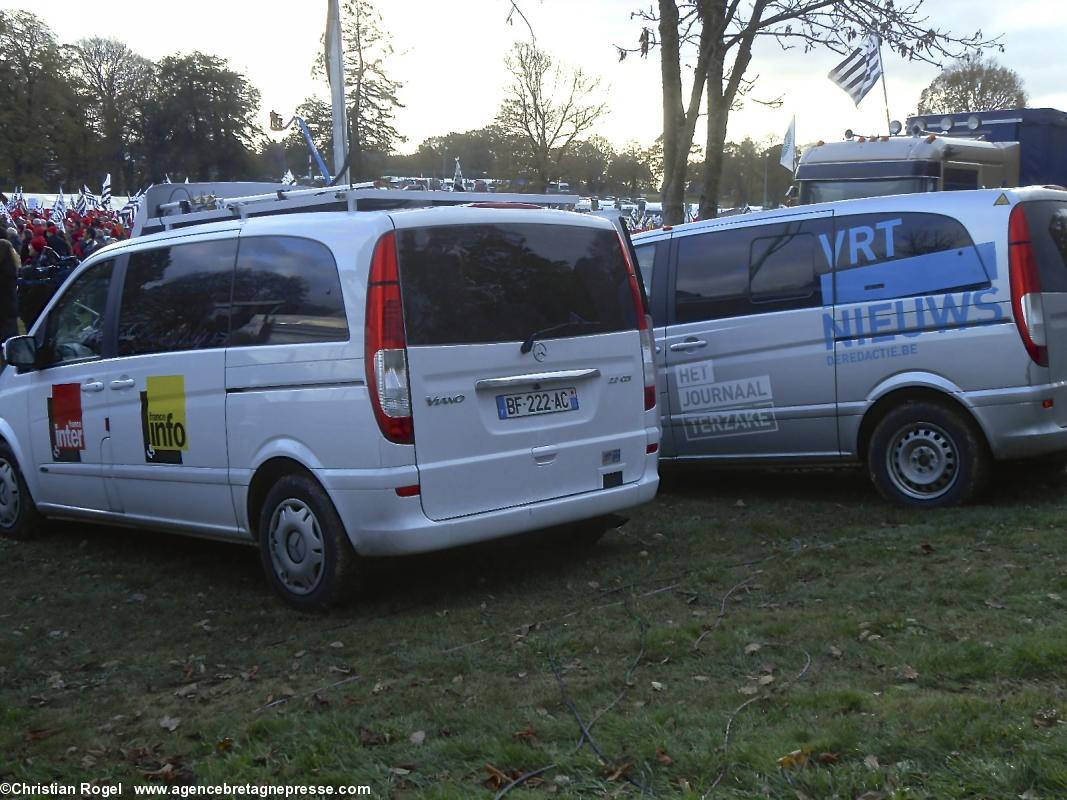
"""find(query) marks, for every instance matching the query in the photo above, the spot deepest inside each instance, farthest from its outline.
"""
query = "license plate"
(528, 404)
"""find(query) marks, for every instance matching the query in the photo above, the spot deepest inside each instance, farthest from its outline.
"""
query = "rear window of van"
(474, 284)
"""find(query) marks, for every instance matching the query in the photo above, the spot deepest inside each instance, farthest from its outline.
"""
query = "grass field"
(745, 635)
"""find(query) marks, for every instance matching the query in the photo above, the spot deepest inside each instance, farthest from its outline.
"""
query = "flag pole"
(885, 94)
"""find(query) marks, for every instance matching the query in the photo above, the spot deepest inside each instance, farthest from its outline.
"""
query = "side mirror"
(21, 352)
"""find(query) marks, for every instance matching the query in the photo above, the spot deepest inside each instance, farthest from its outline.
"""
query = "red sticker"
(66, 429)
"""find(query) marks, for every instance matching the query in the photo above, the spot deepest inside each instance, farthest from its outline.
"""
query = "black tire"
(303, 545)
(927, 455)
(19, 517)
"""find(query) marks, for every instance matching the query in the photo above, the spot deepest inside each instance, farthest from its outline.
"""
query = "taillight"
(644, 327)
(386, 346)
(1026, 304)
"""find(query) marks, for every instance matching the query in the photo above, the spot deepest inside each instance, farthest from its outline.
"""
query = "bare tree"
(548, 107)
(974, 83)
(722, 33)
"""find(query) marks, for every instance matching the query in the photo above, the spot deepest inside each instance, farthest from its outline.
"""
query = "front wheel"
(303, 545)
(925, 455)
(19, 518)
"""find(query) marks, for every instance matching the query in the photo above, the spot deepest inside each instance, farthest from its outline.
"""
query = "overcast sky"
(450, 57)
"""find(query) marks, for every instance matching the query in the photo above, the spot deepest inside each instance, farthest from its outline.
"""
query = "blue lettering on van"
(864, 324)
(872, 354)
(860, 238)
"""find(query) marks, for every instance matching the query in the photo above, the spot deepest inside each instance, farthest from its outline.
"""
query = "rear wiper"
(528, 344)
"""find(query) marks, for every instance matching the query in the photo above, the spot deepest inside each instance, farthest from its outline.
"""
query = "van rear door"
(524, 359)
(1047, 221)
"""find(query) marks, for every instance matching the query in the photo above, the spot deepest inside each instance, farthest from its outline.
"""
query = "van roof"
(929, 202)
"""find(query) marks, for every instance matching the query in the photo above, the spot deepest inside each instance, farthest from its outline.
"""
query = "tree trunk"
(674, 121)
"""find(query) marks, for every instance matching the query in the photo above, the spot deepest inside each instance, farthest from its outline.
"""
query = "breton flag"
(90, 198)
(858, 73)
(105, 194)
(59, 209)
(288, 178)
(789, 147)
(166, 178)
(82, 205)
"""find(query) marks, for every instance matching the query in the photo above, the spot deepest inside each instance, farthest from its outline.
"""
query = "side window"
(958, 179)
(74, 330)
(646, 260)
(177, 298)
(752, 270)
(886, 255)
(287, 291)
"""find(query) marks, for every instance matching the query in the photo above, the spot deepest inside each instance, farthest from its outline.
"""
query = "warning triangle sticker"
(1002, 200)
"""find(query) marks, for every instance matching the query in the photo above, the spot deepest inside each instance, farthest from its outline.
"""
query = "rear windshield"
(472, 284)
(1048, 229)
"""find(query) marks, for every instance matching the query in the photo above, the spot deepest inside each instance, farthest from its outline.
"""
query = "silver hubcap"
(9, 495)
(922, 461)
(296, 547)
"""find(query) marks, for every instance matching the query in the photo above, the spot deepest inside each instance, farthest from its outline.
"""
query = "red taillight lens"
(408, 491)
(1026, 304)
(644, 327)
(386, 346)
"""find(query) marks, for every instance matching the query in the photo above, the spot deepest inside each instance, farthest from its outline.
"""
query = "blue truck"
(941, 152)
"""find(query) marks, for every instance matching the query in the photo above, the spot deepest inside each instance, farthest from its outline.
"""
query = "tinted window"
(492, 283)
(1048, 230)
(177, 298)
(287, 291)
(750, 270)
(75, 326)
(867, 238)
(960, 179)
(646, 259)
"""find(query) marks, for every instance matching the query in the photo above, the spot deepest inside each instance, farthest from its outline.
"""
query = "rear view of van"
(329, 386)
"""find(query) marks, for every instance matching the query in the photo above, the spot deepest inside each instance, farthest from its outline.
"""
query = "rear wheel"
(19, 518)
(927, 455)
(303, 545)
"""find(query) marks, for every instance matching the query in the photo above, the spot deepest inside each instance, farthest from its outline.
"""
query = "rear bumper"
(379, 523)
(1015, 423)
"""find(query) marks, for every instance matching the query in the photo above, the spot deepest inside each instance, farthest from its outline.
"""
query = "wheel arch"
(897, 396)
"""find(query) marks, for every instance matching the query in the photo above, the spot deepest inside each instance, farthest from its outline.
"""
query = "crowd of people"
(37, 252)
(41, 241)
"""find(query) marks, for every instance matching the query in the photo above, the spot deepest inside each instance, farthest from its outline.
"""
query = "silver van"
(328, 386)
(922, 335)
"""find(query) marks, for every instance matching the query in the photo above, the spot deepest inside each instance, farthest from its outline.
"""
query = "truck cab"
(886, 165)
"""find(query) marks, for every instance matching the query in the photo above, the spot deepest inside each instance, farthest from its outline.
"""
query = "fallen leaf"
(337, 645)
(663, 758)
(1052, 596)
(701, 678)
(186, 690)
(527, 736)
(871, 762)
(170, 723)
(371, 738)
(798, 758)
(766, 680)
(224, 745)
(621, 769)
(382, 686)
(926, 548)
(1029, 794)
(833, 651)
(749, 690)
(497, 779)
(909, 673)
(1046, 718)
(994, 602)
(417, 738)
(755, 647)
(400, 771)
(828, 758)
(740, 504)
(41, 733)
(657, 686)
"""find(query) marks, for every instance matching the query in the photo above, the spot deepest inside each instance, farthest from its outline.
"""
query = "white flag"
(105, 194)
(789, 146)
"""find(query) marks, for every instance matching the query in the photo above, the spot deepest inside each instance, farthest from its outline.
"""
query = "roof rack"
(177, 205)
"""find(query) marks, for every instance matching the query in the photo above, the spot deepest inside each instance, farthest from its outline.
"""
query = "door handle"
(123, 383)
(689, 344)
(93, 386)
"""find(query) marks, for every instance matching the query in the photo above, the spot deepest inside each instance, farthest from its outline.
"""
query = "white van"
(923, 335)
(336, 385)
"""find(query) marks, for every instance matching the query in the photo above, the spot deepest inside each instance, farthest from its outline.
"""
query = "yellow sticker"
(163, 422)
(1002, 200)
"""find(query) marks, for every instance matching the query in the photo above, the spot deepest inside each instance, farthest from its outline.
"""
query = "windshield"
(829, 191)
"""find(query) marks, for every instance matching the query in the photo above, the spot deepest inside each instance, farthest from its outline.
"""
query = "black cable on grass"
(568, 701)
(629, 677)
(522, 779)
